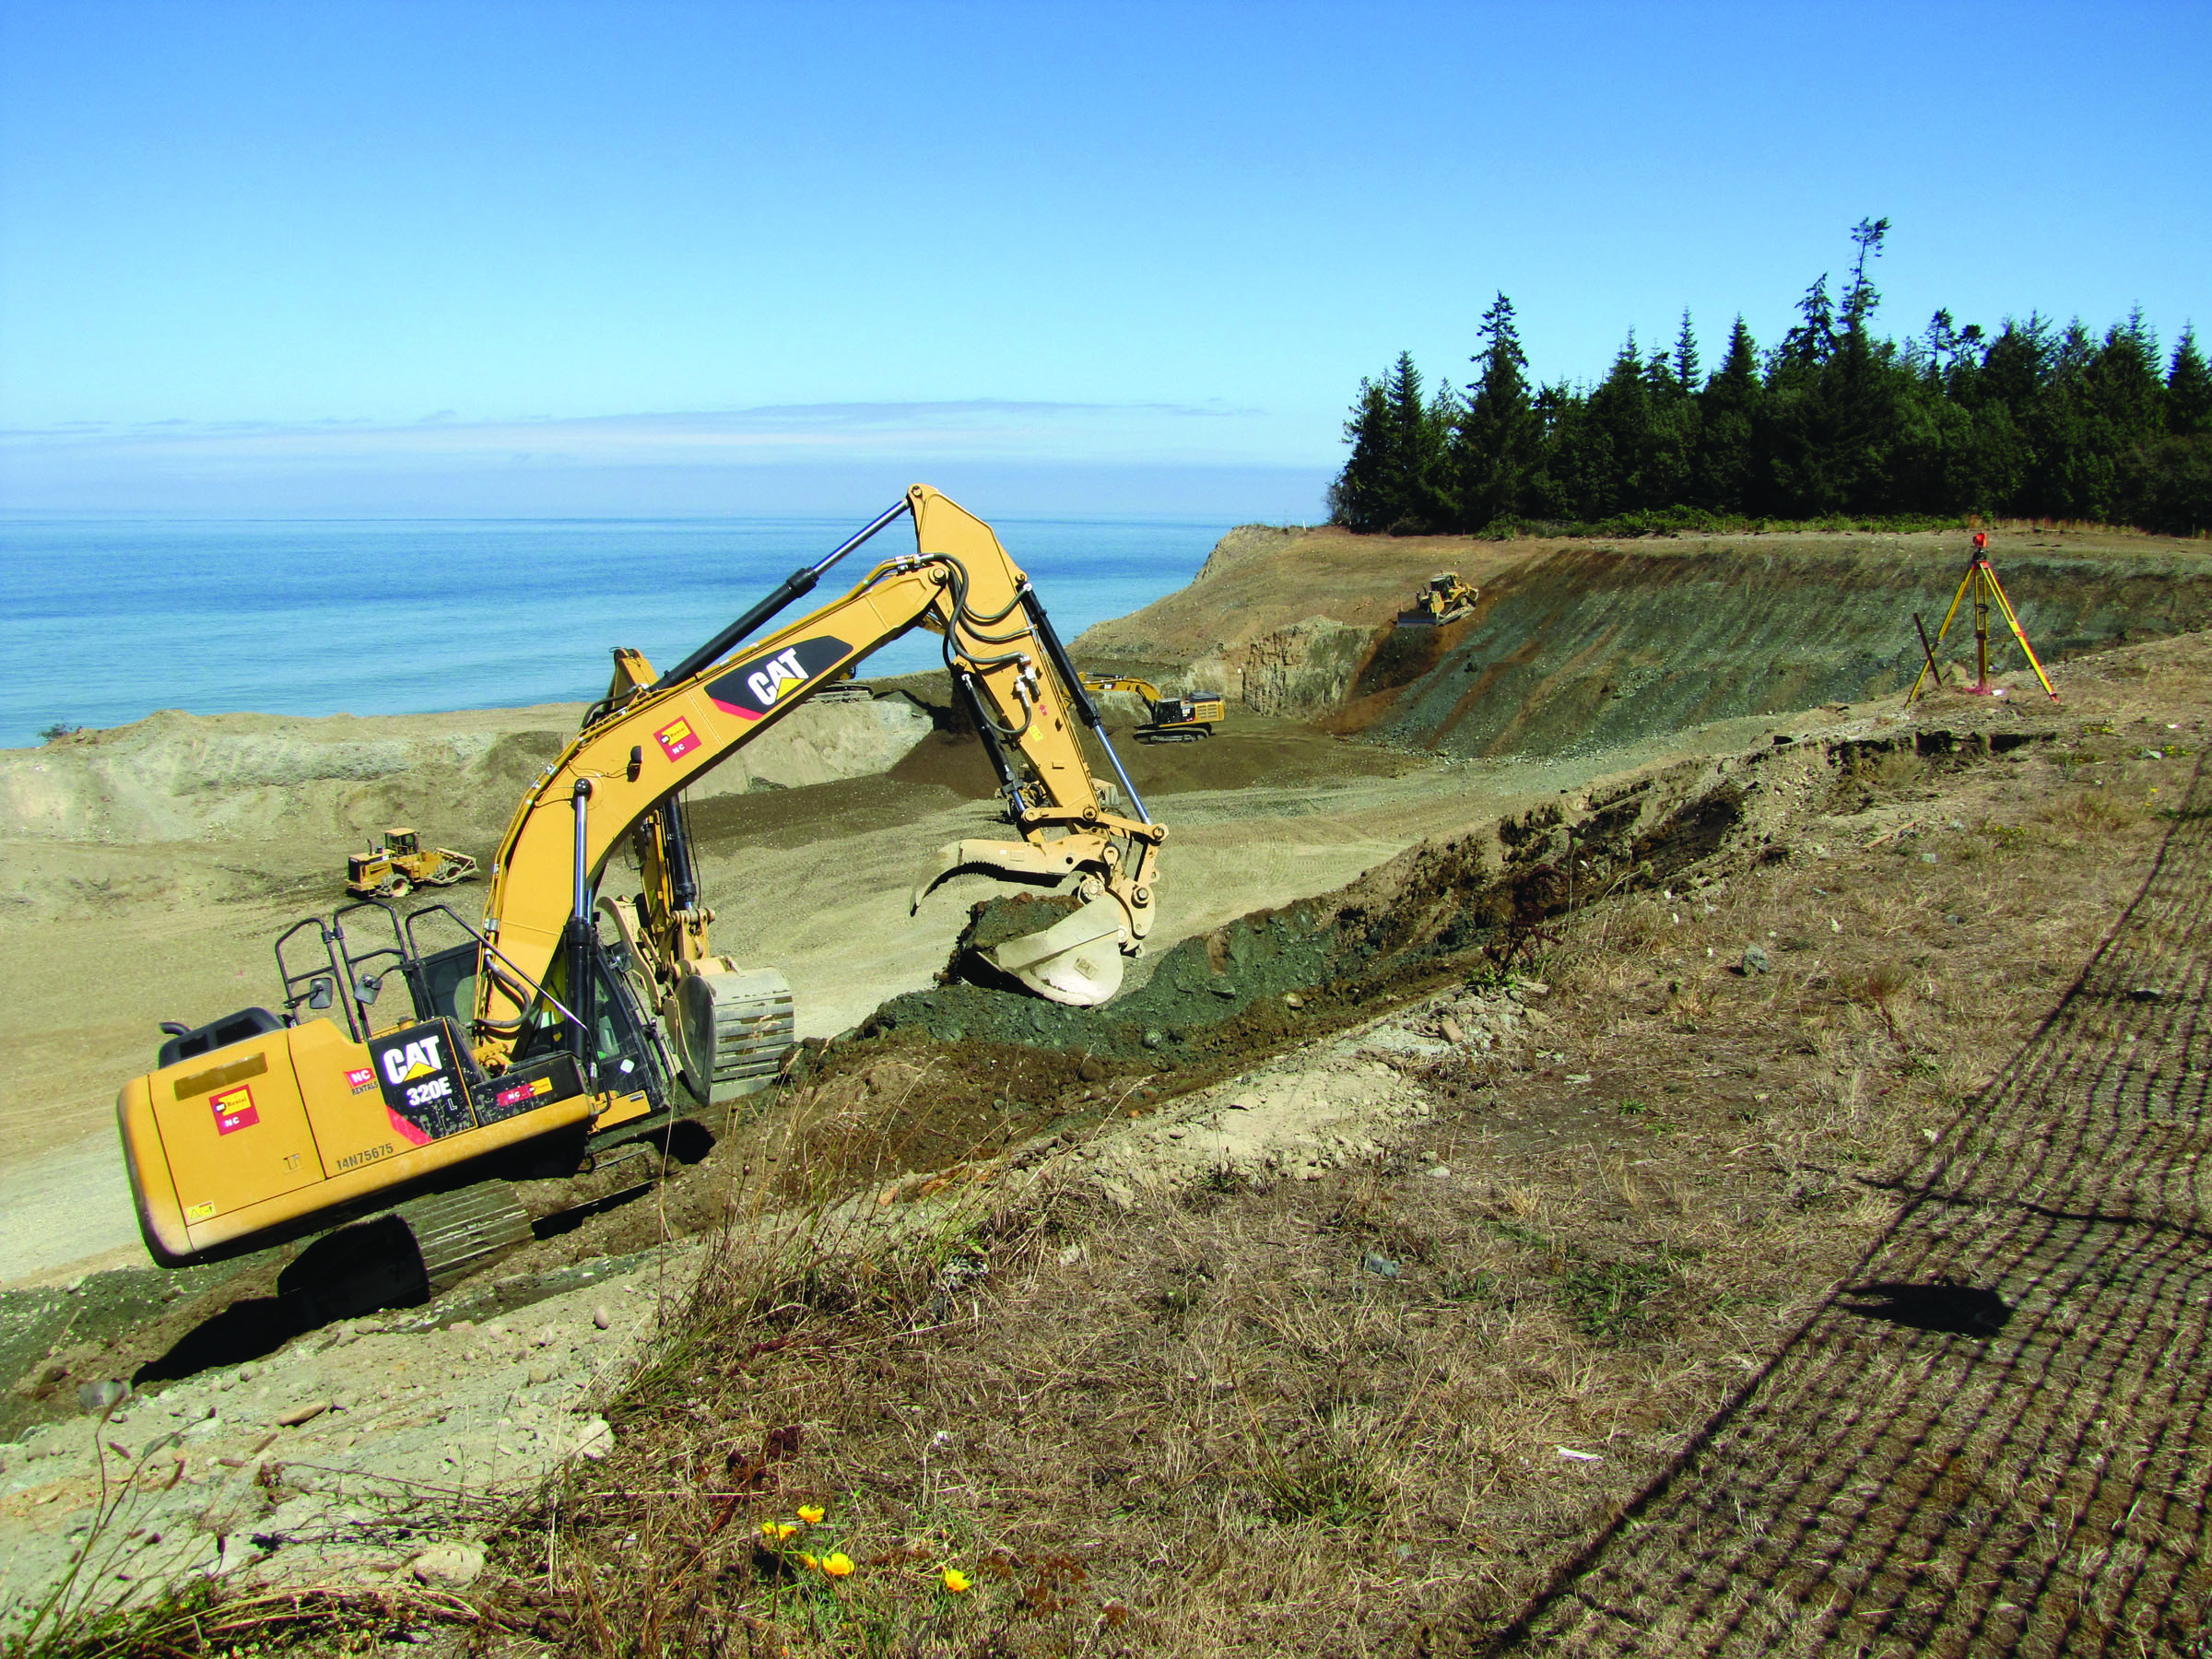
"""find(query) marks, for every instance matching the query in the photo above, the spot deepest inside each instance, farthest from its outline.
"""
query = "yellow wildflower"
(954, 1579)
(808, 1559)
(810, 1512)
(777, 1531)
(837, 1564)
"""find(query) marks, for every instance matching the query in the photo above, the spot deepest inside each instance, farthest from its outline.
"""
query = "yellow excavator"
(416, 1062)
(1177, 717)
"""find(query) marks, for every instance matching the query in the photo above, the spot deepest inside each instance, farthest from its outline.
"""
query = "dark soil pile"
(1271, 977)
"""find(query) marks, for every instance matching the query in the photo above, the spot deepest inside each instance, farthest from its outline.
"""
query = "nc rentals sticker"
(233, 1109)
(525, 1091)
(676, 739)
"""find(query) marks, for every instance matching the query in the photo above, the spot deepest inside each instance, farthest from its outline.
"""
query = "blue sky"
(639, 257)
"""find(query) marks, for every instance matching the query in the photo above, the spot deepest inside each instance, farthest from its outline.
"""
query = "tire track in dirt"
(1998, 1436)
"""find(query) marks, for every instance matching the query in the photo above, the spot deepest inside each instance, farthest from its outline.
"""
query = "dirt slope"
(1579, 646)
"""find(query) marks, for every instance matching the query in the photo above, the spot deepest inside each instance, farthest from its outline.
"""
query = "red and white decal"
(525, 1091)
(233, 1109)
(676, 739)
(360, 1079)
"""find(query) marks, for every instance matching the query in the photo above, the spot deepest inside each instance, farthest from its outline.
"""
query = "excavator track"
(458, 1232)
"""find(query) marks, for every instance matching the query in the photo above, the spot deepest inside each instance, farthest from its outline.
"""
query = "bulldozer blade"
(1078, 961)
(1018, 859)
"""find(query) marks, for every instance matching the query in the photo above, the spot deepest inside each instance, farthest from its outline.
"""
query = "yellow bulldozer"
(402, 864)
(1445, 599)
(1175, 717)
(417, 1063)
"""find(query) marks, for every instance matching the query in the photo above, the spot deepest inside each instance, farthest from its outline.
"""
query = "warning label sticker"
(233, 1109)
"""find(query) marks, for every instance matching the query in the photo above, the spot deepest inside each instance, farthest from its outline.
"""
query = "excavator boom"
(1004, 658)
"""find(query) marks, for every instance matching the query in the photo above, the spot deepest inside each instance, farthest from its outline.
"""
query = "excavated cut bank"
(1268, 976)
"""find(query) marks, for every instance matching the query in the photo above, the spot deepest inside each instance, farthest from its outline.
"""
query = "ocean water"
(107, 620)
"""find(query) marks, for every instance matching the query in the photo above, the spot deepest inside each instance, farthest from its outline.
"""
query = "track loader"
(419, 1061)
(1445, 599)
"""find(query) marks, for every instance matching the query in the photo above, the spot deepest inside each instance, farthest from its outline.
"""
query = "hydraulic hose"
(799, 583)
(582, 938)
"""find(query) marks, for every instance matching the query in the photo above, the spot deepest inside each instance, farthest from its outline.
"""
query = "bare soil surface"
(1582, 646)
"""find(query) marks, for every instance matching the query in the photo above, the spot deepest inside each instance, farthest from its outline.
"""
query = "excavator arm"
(652, 737)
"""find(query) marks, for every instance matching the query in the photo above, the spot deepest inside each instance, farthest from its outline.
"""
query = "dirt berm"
(1576, 648)
(1273, 976)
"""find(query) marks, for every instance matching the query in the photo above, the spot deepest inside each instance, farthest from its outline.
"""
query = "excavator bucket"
(1077, 960)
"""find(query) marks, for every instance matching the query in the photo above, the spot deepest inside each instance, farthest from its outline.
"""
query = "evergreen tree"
(2188, 389)
(2032, 421)
(1667, 457)
(1686, 356)
(1728, 410)
(1497, 439)
(1418, 447)
(1861, 298)
(1811, 342)
(1615, 436)
(1361, 498)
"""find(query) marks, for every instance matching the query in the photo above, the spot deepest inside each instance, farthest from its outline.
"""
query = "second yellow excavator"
(1178, 717)
(567, 1016)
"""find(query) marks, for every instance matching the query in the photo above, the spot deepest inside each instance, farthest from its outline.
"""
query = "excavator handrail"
(536, 987)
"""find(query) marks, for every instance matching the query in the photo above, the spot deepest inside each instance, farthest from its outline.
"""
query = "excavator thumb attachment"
(1077, 960)
(1020, 860)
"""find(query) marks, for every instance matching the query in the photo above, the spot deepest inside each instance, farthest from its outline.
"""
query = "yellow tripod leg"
(1956, 599)
(2019, 632)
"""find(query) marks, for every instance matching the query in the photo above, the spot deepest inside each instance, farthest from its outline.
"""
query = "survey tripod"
(1981, 579)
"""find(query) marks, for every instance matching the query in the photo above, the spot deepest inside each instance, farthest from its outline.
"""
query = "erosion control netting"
(1995, 1437)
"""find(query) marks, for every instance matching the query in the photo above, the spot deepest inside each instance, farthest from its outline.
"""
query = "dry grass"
(2091, 812)
(1298, 1421)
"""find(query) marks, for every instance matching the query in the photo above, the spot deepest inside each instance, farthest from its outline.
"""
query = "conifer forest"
(2036, 419)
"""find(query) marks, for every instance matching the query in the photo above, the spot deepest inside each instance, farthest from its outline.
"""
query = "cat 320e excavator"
(568, 1018)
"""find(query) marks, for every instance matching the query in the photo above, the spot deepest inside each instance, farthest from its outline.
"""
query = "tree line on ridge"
(2037, 420)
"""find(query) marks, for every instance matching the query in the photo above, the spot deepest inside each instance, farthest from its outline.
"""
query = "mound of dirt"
(1247, 751)
(1579, 647)
(1255, 982)
(182, 777)
(1598, 647)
